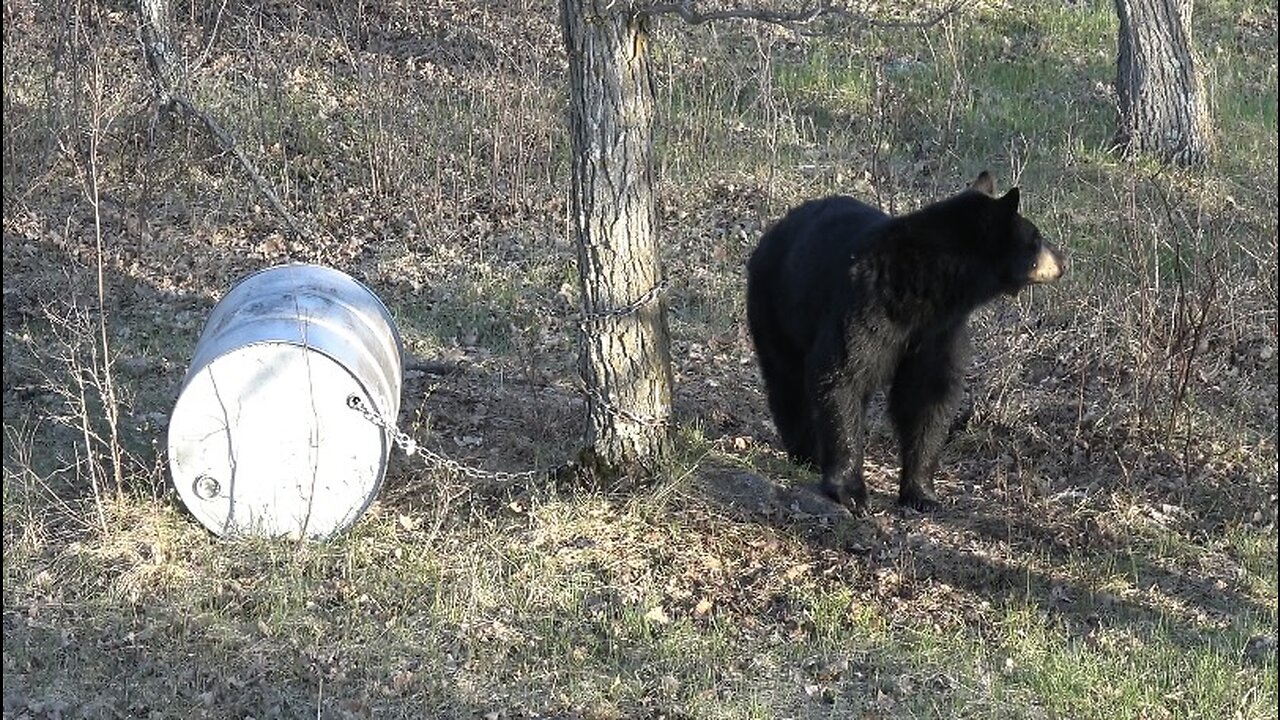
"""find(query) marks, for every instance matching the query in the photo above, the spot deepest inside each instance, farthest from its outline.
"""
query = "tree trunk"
(155, 24)
(1162, 102)
(624, 356)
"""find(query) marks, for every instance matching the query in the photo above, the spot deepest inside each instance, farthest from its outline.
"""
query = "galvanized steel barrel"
(263, 439)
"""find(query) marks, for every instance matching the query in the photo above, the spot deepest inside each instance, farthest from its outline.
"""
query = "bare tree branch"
(161, 52)
(799, 20)
(229, 144)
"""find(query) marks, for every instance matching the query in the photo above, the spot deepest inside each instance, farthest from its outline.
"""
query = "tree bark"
(155, 24)
(624, 355)
(1163, 112)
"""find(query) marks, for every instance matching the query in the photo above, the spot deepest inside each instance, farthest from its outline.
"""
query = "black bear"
(843, 299)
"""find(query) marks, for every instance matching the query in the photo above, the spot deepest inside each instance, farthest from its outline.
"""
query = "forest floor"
(1107, 542)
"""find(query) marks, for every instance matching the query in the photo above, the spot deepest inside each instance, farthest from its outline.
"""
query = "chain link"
(411, 448)
(647, 420)
(649, 296)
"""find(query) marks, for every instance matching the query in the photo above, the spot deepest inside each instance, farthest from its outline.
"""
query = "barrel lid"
(263, 441)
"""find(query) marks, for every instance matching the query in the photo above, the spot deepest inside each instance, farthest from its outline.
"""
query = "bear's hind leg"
(783, 373)
(839, 412)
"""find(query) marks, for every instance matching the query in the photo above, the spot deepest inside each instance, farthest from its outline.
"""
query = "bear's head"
(1012, 243)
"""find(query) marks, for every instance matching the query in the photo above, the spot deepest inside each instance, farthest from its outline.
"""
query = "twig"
(213, 35)
(89, 178)
(90, 465)
(1189, 322)
(688, 12)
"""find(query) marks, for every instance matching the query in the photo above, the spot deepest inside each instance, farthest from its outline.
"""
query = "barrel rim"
(395, 330)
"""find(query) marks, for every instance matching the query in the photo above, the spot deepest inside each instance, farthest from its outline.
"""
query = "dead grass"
(1108, 543)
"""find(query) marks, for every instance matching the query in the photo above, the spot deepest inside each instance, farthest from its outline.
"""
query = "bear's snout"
(1049, 265)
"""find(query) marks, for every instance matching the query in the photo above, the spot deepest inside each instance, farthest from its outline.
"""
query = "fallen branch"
(796, 19)
(155, 32)
(229, 144)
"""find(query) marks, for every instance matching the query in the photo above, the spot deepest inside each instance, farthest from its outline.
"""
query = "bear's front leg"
(922, 402)
(839, 412)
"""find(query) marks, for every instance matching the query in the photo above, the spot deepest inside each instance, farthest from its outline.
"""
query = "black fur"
(843, 299)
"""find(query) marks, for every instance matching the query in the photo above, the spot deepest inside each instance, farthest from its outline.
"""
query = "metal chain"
(594, 395)
(649, 296)
(647, 420)
(411, 448)
(407, 443)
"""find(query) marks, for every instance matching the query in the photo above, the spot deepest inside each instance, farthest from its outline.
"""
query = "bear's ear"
(984, 184)
(1010, 201)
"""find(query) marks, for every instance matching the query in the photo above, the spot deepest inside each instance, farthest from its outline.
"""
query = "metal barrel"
(263, 439)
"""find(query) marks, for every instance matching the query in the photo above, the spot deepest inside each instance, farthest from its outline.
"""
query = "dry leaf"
(798, 570)
(657, 615)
